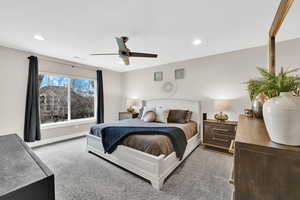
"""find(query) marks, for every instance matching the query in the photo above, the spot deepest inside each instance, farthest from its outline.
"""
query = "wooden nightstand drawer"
(222, 129)
(218, 141)
(219, 134)
(127, 115)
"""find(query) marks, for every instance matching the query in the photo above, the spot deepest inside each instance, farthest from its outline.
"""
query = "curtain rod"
(68, 63)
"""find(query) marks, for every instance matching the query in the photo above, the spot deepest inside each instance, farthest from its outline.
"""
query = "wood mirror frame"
(282, 11)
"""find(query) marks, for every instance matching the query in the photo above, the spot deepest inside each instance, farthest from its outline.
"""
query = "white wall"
(13, 83)
(214, 77)
(208, 78)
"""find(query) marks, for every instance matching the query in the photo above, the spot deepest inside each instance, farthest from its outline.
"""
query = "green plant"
(272, 85)
(130, 109)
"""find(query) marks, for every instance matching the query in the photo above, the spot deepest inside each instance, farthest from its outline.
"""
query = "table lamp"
(221, 105)
(132, 105)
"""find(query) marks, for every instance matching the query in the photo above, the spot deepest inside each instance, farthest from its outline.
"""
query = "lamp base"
(221, 116)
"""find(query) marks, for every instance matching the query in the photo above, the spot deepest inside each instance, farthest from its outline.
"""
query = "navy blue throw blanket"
(113, 135)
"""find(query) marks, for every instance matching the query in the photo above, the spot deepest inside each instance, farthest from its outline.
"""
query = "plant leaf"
(272, 85)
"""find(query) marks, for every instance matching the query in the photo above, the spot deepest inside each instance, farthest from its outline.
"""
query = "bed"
(153, 165)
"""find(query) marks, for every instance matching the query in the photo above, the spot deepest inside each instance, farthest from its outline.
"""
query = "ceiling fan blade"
(121, 44)
(125, 60)
(146, 55)
(104, 54)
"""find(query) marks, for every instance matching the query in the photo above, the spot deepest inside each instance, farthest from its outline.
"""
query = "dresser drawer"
(218, 141)
(217, 134)
(222, 129)
(125, 116)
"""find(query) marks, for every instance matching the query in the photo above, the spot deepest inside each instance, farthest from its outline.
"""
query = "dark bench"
(23, 176)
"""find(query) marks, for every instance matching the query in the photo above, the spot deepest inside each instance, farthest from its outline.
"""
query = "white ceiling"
(167, 27)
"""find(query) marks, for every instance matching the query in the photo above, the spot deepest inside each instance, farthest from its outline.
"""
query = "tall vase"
(257, 105)
(282, 119)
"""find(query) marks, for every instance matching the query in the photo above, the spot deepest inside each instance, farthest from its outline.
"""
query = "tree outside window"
(57, 106)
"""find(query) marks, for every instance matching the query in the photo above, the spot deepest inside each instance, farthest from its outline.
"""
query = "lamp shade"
(132, 102)
(222, 105)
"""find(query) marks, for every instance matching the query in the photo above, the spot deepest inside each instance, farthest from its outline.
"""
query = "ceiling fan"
(124, 52)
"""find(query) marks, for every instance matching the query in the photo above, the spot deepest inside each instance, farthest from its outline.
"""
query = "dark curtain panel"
(100, 99)
(32, 131)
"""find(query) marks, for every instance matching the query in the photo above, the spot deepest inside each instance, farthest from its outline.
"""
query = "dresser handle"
(219, 139)
(221, 129)
(231, 148)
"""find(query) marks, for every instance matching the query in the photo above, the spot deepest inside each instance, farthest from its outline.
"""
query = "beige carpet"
(83, 176)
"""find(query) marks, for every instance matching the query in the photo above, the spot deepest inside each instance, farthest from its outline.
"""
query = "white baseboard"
(55, 140)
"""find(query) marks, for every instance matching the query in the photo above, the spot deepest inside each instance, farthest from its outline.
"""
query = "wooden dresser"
(264, 170)
(218, 134)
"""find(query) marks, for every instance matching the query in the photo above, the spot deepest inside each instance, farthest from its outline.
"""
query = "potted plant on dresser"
(281, 111)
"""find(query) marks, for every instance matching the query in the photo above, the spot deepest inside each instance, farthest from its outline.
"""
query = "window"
(82, 98)
(65, 99)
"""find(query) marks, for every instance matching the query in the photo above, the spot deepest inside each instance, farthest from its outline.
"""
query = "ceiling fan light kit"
(125, 53)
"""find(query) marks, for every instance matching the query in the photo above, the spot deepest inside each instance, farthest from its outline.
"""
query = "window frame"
(69, 121)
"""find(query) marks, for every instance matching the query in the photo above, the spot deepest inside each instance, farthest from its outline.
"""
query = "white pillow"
(149, 116)
(161, 114)
(146, 109)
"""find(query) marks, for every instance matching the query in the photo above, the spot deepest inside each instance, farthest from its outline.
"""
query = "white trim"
(68, 123)
(55, 140)
(69, 99)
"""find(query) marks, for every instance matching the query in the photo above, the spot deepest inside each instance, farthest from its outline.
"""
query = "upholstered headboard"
(183, 104)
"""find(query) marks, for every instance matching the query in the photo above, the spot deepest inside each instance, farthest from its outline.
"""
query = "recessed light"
(39, 37)
(197, 42)
(76, 57)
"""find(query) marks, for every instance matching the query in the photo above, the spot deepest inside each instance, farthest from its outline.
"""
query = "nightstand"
(219, 134)
(127, 115)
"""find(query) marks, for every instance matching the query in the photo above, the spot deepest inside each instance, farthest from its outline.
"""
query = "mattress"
(156, 144)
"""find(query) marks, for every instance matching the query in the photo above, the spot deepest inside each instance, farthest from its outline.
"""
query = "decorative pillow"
(161, 115)
(188, 116)
(177, 116)
(146, 109)
(149, 116)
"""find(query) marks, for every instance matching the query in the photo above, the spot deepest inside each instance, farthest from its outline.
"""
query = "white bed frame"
(153, 168)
